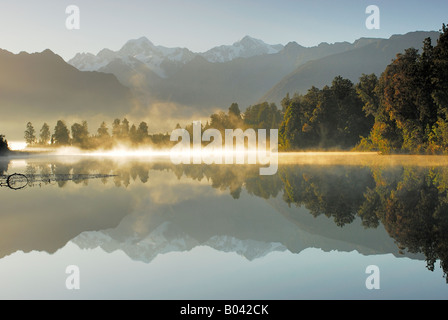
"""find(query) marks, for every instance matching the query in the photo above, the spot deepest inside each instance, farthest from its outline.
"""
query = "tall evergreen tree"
(103, 131)
(30, 134)
(61, 135)
(45, 134)
(125, 129)
(80, 135)
(142, 132)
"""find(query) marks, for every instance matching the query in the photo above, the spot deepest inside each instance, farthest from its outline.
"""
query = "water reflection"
(149, 208)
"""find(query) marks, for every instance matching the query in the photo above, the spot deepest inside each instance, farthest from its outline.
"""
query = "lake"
(90, 227)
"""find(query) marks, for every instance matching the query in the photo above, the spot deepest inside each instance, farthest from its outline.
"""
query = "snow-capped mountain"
(140, 49)
(156, 58)
(245, 48)
(165, 239)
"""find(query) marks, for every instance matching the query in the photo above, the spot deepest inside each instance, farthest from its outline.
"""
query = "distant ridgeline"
(404, 110)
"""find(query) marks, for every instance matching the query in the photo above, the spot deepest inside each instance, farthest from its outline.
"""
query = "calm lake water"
(148, 229)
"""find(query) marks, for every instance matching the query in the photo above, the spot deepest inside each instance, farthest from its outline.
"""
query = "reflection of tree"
(337, 192)
(415, 212)
(234, 178)
(4, 164)
(411, 203)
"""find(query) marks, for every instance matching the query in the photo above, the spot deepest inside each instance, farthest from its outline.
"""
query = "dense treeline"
(410, 102)
(404, 110)
(322, 119)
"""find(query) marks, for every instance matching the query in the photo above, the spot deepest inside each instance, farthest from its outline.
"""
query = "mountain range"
(42, 86)
(144, 81)
(242, 232)
(247, 72)
(162, 60)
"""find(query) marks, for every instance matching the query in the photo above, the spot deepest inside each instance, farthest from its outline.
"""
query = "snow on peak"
(167, 238)
(249, 41)
(142, 42)
(245, 48)
(155, 57)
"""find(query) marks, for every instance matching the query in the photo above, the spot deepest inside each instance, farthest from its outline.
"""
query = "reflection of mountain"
(248, 226)
(151, 211)
(51, 216)
(164, 239)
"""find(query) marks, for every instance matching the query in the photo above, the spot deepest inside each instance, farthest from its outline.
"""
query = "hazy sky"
(199, 25)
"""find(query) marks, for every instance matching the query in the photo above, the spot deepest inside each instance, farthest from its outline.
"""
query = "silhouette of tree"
(45, 134)
(4, 149)
(142, 132)
(103, 131)
(234, 110)
(80, 135)
(30, 134)
(61, 135)
(124, 129)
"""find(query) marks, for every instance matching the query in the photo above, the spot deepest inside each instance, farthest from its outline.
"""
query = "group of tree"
(259, 116)
(331, 117)
(410, 202)
(410, 102)
(404, 110)
(79, 136)
(263, 115)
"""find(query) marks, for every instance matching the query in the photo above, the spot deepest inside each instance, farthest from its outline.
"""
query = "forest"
(403, 111)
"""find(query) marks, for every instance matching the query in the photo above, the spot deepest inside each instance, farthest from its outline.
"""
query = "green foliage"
(337, 194)
(412, 204)
(262, 116)
(329, 118)
(409, 101)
